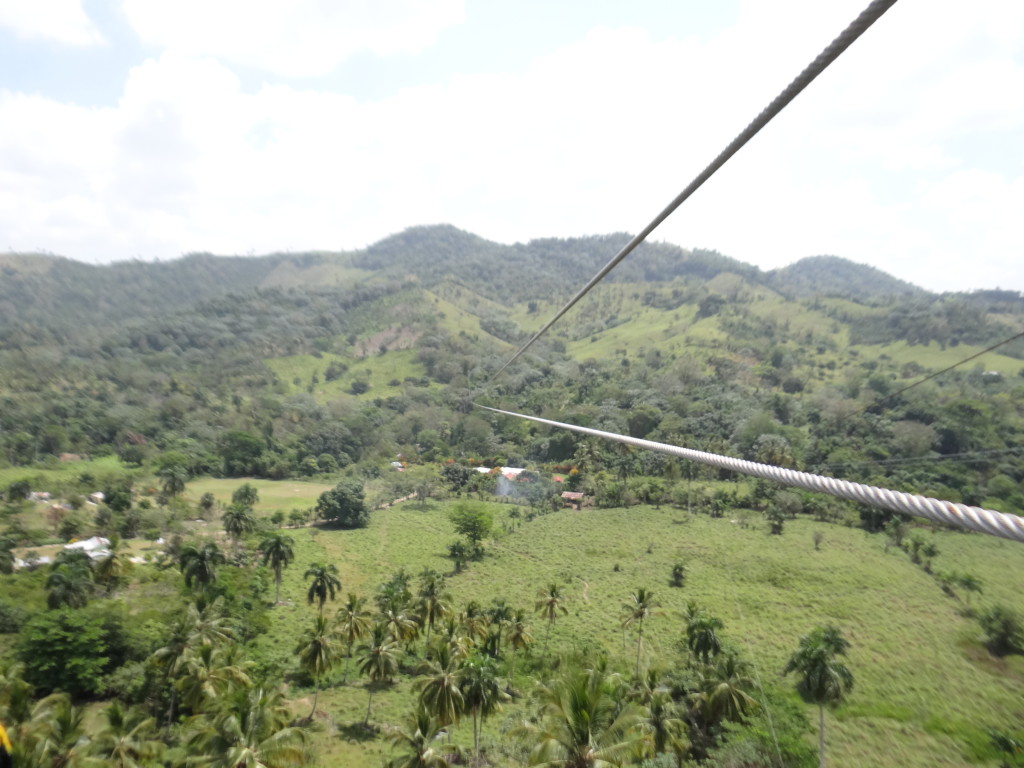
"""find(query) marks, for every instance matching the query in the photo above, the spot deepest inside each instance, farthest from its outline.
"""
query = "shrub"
(12, 618)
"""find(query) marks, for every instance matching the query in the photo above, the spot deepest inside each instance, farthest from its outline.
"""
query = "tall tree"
(725, 690)
(352, 623)
(550, 604)
(250, 730)
(702, 636)
(70, 585)
(318, 652)
(238, 521)
(199, 564)
(640, 606)
(583, 725)
(210, 673)
(434, 603)
(379, 661)
(481, 693)
(128, 740)
(324, 583)
(416, 742)
(278, 552)
(823, 679)
(519, 637)
(438, 687)
(112, 569)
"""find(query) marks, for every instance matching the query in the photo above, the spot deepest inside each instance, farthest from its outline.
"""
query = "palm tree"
(250, 731)
(667, 730)
(199, 564)
(499, 615)
(70, 585)
(379, 661)
(127, 740)
(481, 693)
(416, 743)
(208, 624)
(277, 550)
(550, 603)
(325, 582)
(439, 687)
(702, 636)
(6, 556)
(519, 637)
(210, 673)
(640, 606)
(318, 652)
(112, 569)
(400, 627)
(823, 679)
(238, 521)
(434, 603)
(60, 738)
(352, 623)
(174, 479)
(473, 621)
(723, 691)
(583, 726)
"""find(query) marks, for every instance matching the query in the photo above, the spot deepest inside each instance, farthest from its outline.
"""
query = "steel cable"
(987, 521)
(868, 16)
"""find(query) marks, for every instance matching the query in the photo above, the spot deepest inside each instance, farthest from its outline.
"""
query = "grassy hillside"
(926, 690)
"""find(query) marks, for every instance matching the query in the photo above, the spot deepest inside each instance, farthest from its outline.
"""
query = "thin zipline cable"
(987, 521)
(967, 456)
(947, 369)
(868, 16)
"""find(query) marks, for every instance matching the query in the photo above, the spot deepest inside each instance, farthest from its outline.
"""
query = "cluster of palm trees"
(457, 672)
(217, 714)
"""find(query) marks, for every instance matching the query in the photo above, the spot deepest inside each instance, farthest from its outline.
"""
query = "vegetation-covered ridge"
(244, 427)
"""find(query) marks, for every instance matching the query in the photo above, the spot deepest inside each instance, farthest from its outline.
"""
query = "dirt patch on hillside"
(397, 337)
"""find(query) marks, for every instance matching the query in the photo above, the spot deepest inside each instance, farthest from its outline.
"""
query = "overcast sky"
(148, 128)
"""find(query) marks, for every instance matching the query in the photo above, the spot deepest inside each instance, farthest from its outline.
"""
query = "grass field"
(376, 370)
(285, 495)
(926, 690)
(42, 475)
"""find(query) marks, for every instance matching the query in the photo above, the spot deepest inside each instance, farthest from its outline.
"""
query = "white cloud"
(62, 21)
(890, 159)
(294, 38)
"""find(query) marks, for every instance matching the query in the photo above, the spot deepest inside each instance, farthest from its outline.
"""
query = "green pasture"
(42, 475)
(934, 357)
(926, 689)
(285, 495)
(378, 370)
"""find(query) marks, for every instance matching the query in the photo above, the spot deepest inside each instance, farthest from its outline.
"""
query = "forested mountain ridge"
(312, 375)
(40, 293)
(834, 276)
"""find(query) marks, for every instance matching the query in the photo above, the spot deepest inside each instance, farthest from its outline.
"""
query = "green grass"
(378, 370)
(284, 494)
(926, 691)
(41, 475)
(934, 357)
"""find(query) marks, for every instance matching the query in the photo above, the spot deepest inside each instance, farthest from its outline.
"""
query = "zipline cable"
(973, 518)
(868, 16)
(947, 369)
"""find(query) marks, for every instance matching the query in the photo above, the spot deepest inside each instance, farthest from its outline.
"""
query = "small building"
(573, 499)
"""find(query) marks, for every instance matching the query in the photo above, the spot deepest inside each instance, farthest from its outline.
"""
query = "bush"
(344, 505)
(1004, 632)
(73, 650)
(12, 618)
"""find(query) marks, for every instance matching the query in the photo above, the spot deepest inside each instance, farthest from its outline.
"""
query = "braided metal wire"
(987, 521)
(846, 38)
